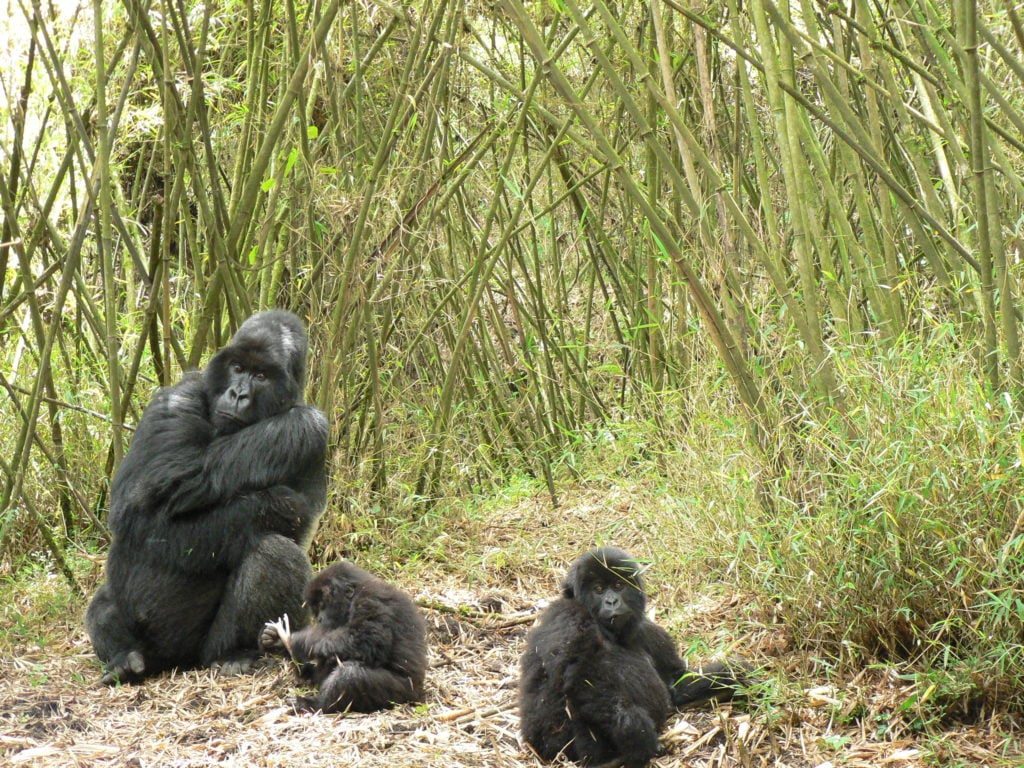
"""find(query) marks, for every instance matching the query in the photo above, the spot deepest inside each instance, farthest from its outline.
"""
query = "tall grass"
(904, 544)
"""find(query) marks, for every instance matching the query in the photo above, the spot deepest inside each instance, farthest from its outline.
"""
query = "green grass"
(38, 609)
(898, 539)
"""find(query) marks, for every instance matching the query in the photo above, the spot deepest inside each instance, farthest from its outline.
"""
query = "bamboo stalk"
(719, 334)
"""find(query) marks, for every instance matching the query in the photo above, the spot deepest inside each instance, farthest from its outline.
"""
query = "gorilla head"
(259, 374)
(608, 583)
(329, 595)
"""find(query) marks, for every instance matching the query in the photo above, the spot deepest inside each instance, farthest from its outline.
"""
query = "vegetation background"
(758, 263)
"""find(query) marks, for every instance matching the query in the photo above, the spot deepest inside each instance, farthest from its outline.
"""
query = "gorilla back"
(212, 510)
(367, 649)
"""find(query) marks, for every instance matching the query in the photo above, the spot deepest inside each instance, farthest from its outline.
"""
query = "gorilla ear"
(571, 584)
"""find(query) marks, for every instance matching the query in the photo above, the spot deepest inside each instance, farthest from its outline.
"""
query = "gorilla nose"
(238, 399)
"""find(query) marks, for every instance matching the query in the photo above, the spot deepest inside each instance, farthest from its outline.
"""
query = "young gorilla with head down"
(212, 511)
(367, 649)
(598, 678)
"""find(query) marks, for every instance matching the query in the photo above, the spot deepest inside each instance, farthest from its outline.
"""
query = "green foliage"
(902, 542)
(37, 609)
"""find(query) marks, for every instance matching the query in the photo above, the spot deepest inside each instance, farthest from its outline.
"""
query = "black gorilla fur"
(212, 511)
(367, 649)
(598, 678)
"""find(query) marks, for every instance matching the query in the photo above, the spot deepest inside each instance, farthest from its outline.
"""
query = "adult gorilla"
(212, 511)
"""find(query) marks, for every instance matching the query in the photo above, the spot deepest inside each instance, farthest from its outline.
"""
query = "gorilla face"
(243, 389)
(259, 374)
(607, 582)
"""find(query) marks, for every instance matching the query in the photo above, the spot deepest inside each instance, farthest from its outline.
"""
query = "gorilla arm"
(716, 680)
(686, 684)
(283, 450)
(267, 477)
(180, 486)
(368, 638)
(167, 449)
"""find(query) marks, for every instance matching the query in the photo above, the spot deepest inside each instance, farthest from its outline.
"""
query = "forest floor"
(53, 713)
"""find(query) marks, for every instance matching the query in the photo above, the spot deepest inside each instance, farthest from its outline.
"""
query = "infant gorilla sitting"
(367, 649)
(599, 679)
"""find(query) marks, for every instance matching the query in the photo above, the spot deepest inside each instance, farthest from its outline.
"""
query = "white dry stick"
(284, 632)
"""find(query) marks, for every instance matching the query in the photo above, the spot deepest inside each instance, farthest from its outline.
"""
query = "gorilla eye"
(237, 368)
(599, 589)
(618, 586)
(260, 376)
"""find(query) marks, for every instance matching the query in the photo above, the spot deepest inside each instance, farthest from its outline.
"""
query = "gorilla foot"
(124, 668)
(306, 704)
(238, 664)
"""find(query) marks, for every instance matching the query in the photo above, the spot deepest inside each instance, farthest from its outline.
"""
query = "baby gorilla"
(598, 677)
(367, 649)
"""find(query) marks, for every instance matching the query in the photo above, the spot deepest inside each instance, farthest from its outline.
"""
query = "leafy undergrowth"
(481, 588)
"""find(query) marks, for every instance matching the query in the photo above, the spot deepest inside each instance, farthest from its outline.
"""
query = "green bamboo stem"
(720, 336)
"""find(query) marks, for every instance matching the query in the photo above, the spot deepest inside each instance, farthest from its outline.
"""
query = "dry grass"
(53, 714)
